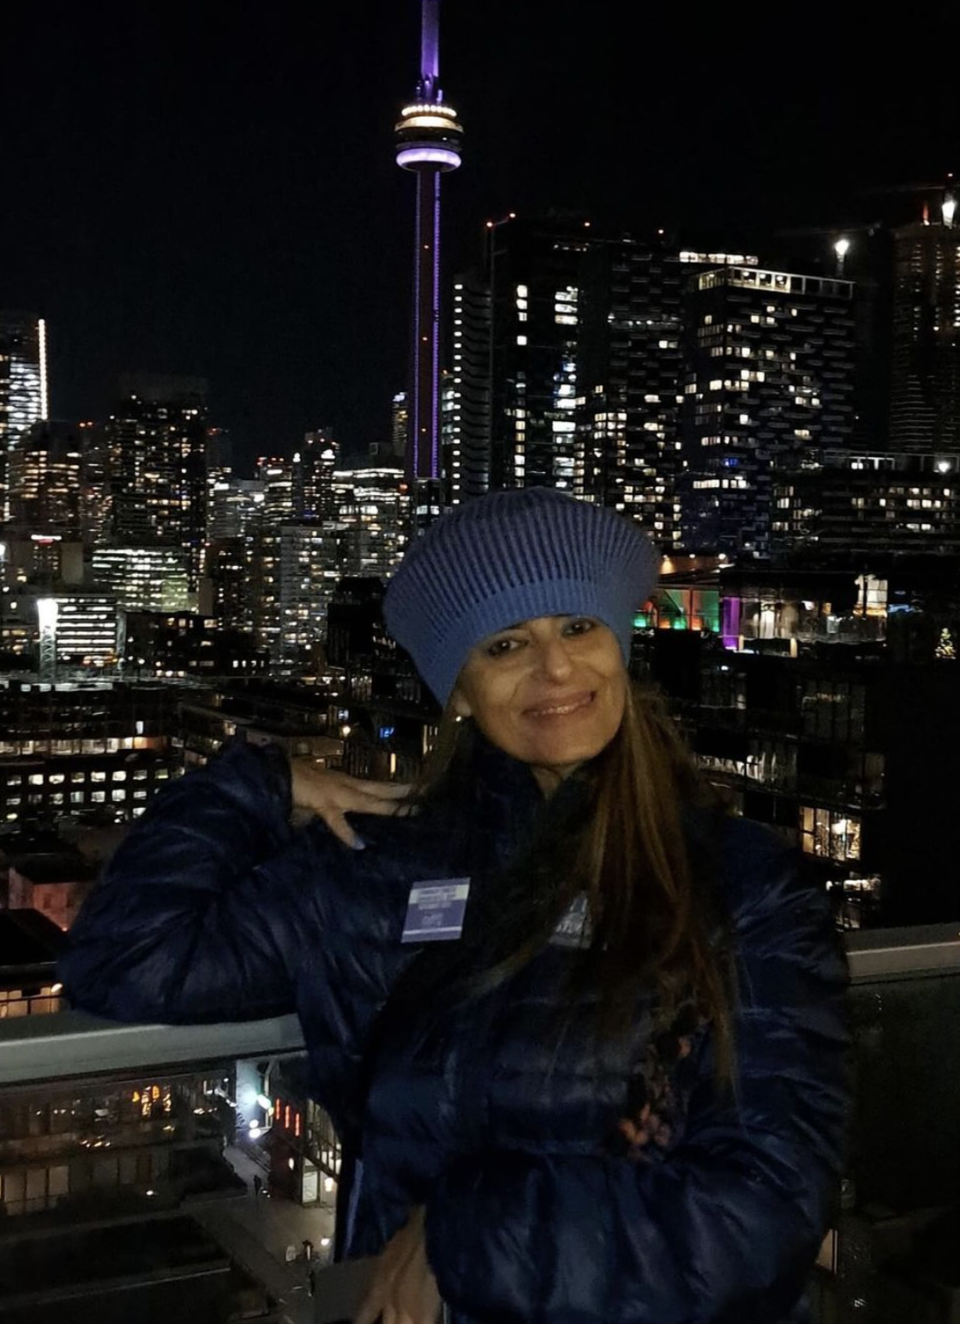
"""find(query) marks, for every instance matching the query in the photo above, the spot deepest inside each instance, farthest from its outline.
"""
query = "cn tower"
(428, 139)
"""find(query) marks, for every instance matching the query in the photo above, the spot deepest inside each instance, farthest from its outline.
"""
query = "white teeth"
(564, 708)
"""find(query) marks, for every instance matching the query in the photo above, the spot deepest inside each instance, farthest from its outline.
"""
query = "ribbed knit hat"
(510, 557)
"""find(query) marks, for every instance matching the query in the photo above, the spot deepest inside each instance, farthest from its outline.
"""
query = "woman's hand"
(403, 1290)
(330, 795)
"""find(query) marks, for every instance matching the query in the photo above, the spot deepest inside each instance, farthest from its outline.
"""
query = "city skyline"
(225, 204)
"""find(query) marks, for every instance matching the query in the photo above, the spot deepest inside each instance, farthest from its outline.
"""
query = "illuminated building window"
(831, 834)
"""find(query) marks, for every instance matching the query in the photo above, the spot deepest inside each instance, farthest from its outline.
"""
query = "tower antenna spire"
(430, 46)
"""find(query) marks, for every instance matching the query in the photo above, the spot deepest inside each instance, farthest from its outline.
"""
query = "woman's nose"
(554, 658)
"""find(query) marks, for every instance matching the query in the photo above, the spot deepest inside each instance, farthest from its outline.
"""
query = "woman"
(608, 1085)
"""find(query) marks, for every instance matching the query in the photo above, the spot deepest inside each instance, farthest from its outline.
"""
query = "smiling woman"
(549, 692)
(584, 1032)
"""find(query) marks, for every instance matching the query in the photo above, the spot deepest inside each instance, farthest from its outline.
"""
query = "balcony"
(124, 1239)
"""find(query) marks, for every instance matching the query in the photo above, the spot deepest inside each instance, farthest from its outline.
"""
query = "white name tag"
(435, 911)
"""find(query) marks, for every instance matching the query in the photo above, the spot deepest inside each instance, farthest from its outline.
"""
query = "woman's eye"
(500, 646)
(580, 626)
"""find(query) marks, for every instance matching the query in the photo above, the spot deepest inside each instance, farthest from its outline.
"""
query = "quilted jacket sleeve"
(723, 1231)
(199, 915)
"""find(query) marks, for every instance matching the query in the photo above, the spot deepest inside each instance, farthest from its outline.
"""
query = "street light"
(841, 248)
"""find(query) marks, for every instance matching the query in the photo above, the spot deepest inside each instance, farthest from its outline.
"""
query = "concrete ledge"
(68, 1044)
(71, 1043)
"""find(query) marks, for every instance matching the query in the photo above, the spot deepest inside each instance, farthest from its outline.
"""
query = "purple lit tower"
(428, 139)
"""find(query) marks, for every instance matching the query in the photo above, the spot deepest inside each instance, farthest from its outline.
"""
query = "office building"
(308, 565)
(144, 578)
(313, 467)
(24, 394)
(374, 509)
(182, 644)
(237, 508)
(157, 459)
(399, 425)
(44, 465)
(96, 488)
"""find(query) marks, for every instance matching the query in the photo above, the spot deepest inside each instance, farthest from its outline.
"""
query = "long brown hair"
(631, 850)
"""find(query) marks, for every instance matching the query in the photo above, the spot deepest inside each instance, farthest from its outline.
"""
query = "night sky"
(210, 189)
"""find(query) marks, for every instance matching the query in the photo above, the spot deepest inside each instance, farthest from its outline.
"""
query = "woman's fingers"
(389, 1261)
(403, 1289)
(364, 801)
(331, 794)
(341, 829)
(386, 790)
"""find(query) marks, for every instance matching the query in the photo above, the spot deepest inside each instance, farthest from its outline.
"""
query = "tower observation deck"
(428, 137)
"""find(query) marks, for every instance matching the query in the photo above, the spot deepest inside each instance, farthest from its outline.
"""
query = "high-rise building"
(96, 492)
(235, 552)
(144, 578)
(23, 384)
(465, 402)
(399, 425)
(631, 358)
(229, 583)
(219, 465)
(44, 480)
(428, 140)
(631, 381)
(925, 368)
(237, 508)
(278, 509)
(373, 507)
(534, 279)
(768, 386)
(279, 499)
(158, 456)
(309, 563)
(313, 466)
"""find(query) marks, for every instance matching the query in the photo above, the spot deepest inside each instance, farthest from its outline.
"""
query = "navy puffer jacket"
(216, 909)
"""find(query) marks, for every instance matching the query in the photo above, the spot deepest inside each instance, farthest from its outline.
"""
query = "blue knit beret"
(509, 557)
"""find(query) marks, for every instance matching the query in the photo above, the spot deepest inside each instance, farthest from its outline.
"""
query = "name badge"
(574, 929)
(435, 911)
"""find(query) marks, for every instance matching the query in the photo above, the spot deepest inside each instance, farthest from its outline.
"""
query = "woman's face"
(550, 692)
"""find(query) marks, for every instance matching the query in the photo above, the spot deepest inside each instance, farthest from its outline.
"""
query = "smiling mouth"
(574, 703)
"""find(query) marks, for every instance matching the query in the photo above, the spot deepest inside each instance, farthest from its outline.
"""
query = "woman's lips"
(563, 706)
